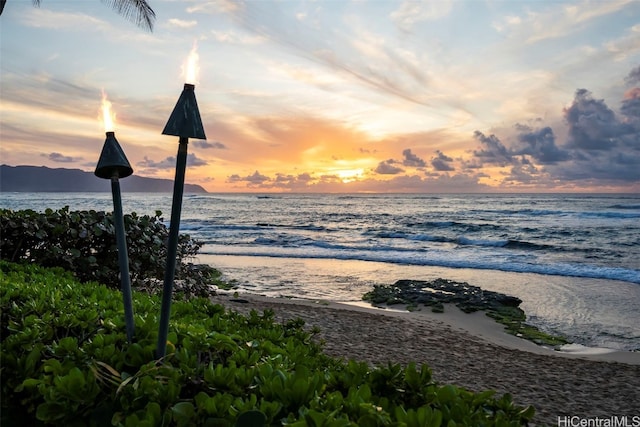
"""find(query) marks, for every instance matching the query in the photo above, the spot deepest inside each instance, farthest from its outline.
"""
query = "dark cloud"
(470, 164)
(400, 183)
(605, 148)
(494, 151)
(601, 168)
(386, 167)
(61, 158)
(234, 178)
(541, 145)
(367, 151)
(601, 148)
(255, 179)
(206, 144)
(170, 162)
(630, 107)
(634, 77)
(524, 173)
(442, 162)
(290, 179)
(592, 125)
(293, 182)
(193, 161)
(412, 160)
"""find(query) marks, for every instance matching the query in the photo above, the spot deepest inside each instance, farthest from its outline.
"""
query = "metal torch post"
(123, 257)
(172, 247)
(113, 165)
(185, 123)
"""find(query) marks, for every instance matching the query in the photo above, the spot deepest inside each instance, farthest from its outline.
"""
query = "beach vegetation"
(84, 243)
(66, 361)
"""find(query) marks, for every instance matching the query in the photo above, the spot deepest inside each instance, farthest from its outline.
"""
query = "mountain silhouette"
(44, 179)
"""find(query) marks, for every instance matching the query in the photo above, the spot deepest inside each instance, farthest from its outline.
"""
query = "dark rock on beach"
(438, 292)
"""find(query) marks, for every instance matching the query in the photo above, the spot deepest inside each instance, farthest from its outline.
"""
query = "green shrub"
(84, 243)
(66, 361)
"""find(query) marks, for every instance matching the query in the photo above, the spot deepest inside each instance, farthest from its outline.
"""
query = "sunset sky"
(336, 96)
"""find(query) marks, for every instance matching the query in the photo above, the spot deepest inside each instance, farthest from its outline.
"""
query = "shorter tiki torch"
(113, 165)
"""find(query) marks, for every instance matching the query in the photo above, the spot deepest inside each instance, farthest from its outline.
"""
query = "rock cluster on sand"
(436, 293)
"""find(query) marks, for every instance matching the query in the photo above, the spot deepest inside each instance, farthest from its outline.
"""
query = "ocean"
(574, 259)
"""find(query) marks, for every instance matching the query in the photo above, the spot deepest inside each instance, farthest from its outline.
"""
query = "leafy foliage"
(84, 243)
(66, 361)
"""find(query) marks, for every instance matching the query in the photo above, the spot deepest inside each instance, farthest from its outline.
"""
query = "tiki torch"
(113, 165)
(185, 123)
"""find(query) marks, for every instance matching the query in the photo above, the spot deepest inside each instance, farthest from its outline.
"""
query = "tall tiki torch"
(113, 165)
(185, 123)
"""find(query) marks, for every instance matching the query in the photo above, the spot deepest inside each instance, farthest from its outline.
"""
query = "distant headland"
(44, 179)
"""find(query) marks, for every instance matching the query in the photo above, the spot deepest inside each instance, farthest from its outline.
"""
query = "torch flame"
(190, 68)
(108, 118)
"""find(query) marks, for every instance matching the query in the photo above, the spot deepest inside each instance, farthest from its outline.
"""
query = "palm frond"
(4, 2)
(136, 11)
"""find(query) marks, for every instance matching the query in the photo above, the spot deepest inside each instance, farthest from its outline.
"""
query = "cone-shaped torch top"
(112, 162)
(185, 119)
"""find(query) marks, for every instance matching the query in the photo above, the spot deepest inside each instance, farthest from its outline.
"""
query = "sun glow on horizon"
(350, 175)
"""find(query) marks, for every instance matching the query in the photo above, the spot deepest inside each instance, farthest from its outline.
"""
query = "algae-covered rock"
(437, 292)
(468, 298)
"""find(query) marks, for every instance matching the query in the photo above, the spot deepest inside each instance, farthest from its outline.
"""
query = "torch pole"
(172, 247)
(123, 257)
(184, 122)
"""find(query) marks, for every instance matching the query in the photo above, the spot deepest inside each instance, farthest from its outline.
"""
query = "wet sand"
(472, 351)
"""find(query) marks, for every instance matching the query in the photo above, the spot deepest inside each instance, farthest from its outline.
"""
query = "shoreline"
(476, 324)
(471, 351)
(479, 325)
(591, 312)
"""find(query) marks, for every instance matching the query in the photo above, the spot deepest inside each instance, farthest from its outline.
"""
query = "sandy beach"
(472, 351)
